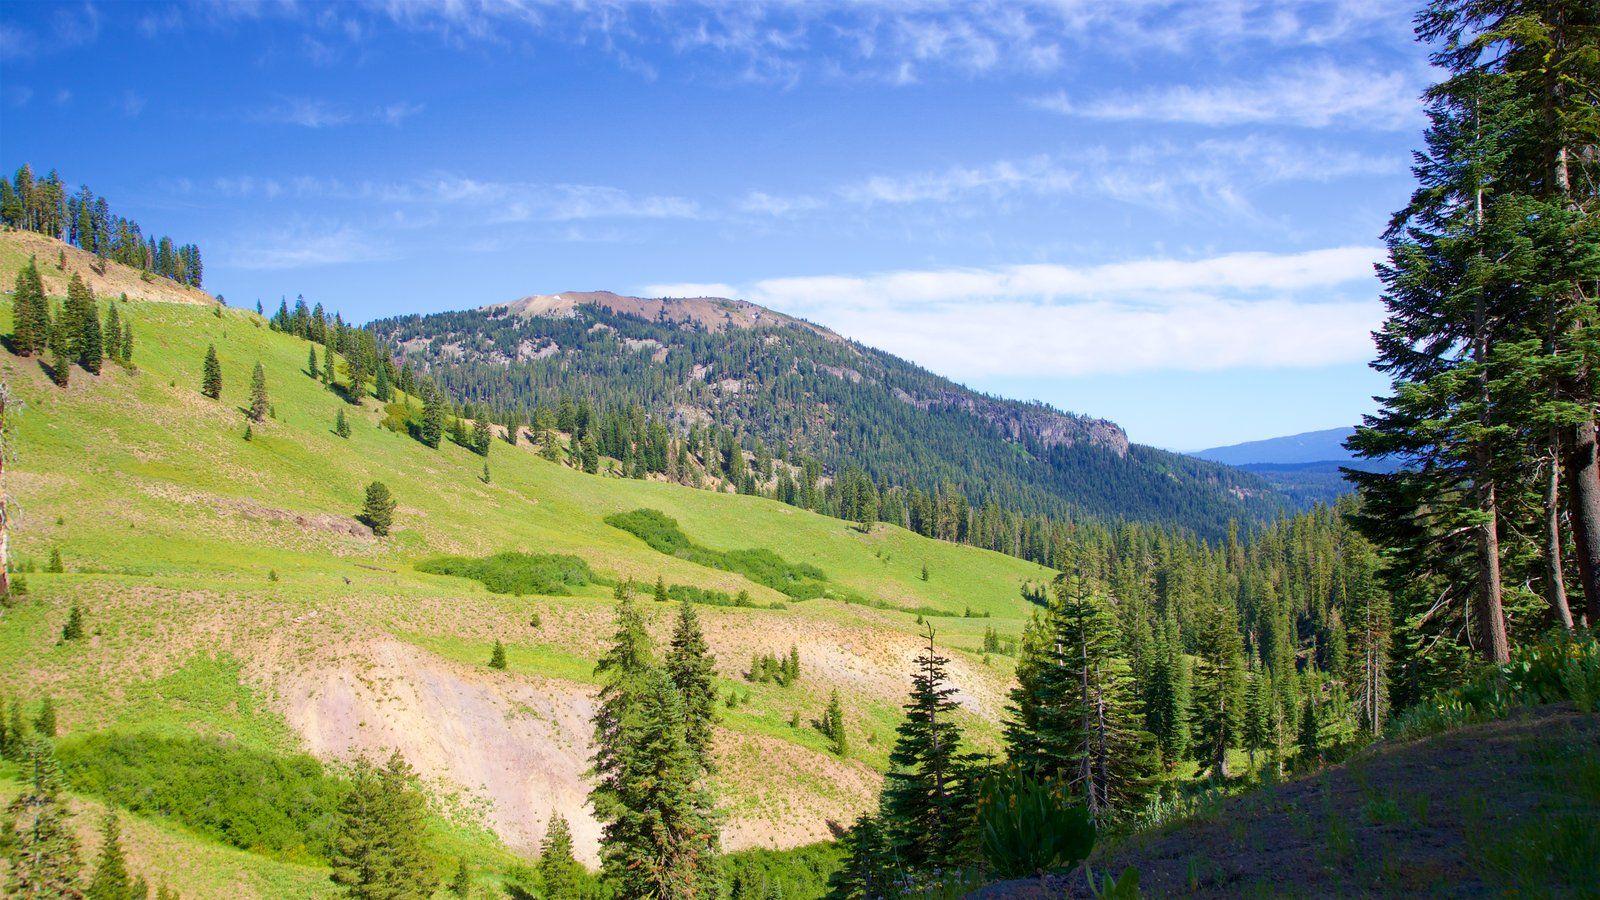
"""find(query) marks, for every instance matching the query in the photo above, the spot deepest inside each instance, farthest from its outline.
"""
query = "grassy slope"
(170, 523)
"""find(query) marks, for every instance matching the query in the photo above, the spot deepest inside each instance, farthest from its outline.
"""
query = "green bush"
(281, 806)
(801, 581)
(516, 573)
(1562, 667)
(797, 872)
(1028, 827)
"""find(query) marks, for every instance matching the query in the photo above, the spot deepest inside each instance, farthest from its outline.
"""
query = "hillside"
(1503, 808)
(1294, 449)
(800, 388)
(229, 594)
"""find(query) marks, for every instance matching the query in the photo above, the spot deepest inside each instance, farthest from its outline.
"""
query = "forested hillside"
(781, 388)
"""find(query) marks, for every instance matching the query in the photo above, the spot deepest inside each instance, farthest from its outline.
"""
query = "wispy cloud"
(132, 103)
(1238, 310)
(314, 113)
(1315, 96)
(304, 244)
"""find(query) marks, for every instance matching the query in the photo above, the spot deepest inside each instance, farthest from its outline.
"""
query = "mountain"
(804, 391)
(1294, 449)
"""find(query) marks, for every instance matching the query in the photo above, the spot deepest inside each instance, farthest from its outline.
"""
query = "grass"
(516, 573)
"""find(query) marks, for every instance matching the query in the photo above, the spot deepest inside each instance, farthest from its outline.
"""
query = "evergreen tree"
(378, 509)
(380, 850)
(1258, 715)
(482, 437)
(112, 334)
(559, 871)
(73, 629)
(382, 387)
(461, 885)
(211, 375)
(1167, 693)
(259, 405)
(41, 849)
(45, 724)
(60, 355)
(111, 880)
(127, 343)
(693, 671)
(30, 319)
(432, 428)
(657, 839)
(833, 725)
(312, 368)
(83, 315)
(1218, 685)
(1087, 722)
(868, 870)
(929, 793)
(497, 656)
(341, 425)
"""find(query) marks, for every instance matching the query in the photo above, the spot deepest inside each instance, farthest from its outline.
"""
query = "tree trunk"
(1583, 509)
(1555, 585)
(1491, 615)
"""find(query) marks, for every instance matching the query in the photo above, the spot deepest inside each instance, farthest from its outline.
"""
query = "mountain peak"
(712, 313)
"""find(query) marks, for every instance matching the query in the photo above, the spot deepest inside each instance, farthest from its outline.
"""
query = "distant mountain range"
(803, 389)
(1304, 467)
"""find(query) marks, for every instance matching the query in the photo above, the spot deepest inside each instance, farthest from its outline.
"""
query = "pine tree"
(868, 870)
(1258, 715)
(833, 725)
(1167, 694)
(73, 629)
(380, 850)
(113, 334)
(312, 368)
(259, 405)
(211, 375)
(1218, 685)
(60, 355)
(382, 388)
(127, 343)
(929, 794)
(559, 871)
(341, 425)
(45, 724)
(378, 509)
(497, 656)
(432, 428)
(30, 331)
(482, 437)
(657, 839)
(111, 880)
(1087, 726)
(84, 315)
(43, 853)
(693, 671)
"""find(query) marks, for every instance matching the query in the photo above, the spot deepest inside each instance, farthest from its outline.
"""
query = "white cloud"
(314, 113)
(302, 245)
(131, 103)
(1237, 310)
(1313, 96)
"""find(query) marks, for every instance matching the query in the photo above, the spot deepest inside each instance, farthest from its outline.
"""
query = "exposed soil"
(1436, 816)
(117, 279)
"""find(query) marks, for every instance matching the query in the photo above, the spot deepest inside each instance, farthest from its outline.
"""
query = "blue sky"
(1157, 211)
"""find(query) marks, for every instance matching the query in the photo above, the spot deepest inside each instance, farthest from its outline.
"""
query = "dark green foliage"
(41, 850)
(560, 873)
(431, 429)
(801, 581)
(276, 804)
(461, 884)
(30, 313)
(833, 725)
(341, 425)
(869, 868)
(112, 334)
(380, 835)
(211, 374)
(378, 508)
(1076, 718)
(516, 573)
(73, 629)
(249, 433)
(929, 792)
(61, 355)
(80, 319)
(497, 656)
(1029, 827)
(44, 724)
(783, 670)
(482, 437)
(111, 880)
(312, 368)
(55, 565)
(1218, 686)
(258, 394)
(693, 671)
(801, 871)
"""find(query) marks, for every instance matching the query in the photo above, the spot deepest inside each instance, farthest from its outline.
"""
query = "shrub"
(1027, 827)
(281, 806)
(660, 531)
(516, 573)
